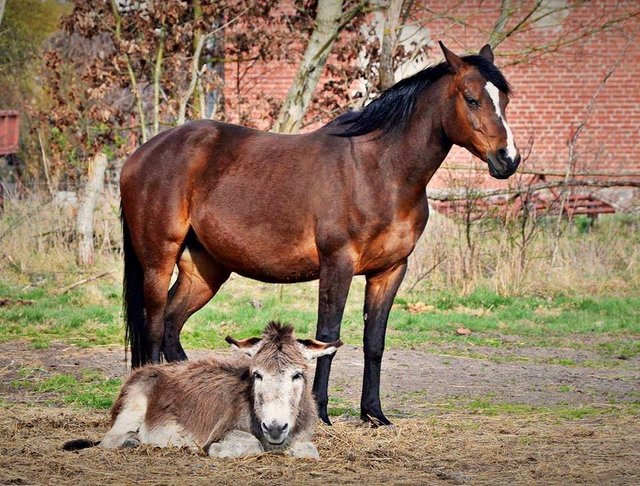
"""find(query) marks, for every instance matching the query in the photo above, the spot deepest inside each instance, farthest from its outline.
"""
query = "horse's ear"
(487, 53)
(454, 61)
(249, 346)
(311, 348)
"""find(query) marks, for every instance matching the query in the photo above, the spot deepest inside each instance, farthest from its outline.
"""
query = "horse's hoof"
(325, 418)
(376, 419)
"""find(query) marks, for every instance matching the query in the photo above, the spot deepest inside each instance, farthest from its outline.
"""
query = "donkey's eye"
(472, 102)
(297, 376)
(257, 376)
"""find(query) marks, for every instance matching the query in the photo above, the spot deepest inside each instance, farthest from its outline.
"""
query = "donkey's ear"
(312, 349)
(487, 53)
(249, 346)
(454, 61)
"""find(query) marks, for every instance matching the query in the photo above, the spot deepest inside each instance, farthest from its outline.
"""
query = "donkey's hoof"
(236, 444)
(303, 450)
(131, 442)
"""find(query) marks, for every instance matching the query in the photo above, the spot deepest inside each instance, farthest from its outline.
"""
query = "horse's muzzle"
(501, 166)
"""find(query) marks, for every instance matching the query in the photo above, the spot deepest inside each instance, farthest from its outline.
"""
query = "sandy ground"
(428, 443)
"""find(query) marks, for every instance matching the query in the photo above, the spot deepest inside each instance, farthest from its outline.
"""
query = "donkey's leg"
(199, 278)
(124, 431)
(303, 450)
(236, 443)
(380, 291)
(336, 273)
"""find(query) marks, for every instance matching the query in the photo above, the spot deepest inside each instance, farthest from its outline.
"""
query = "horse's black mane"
(391, 110)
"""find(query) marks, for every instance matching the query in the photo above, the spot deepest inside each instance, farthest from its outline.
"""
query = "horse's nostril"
(265, 427)
(502, 153)
(285, 427)
(516, 161)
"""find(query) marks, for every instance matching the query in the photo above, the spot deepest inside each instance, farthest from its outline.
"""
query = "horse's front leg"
(336, 273)
(380, 291)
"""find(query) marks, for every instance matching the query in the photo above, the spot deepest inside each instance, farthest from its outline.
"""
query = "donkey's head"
(279, 376)
(476, 119)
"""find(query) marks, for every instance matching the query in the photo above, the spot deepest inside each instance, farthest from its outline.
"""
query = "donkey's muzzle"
(501, 165)
(275, 433)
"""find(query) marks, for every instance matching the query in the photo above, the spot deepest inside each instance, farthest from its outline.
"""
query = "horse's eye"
(257, 376)
(297, 376)
(472, 102)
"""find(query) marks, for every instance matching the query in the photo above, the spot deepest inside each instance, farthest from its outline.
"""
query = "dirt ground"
(429, 443)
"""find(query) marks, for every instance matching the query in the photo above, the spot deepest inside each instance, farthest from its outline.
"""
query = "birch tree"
(84, 219)
(2, 5)
(388, 44)
(330, 20)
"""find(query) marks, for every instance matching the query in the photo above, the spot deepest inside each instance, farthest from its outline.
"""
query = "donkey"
(228, 407)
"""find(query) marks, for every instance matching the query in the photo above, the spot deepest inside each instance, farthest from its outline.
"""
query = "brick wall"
(551, 91)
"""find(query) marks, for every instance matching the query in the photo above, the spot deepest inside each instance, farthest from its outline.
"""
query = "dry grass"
(454, 448)
(602, 260)
(37, 238)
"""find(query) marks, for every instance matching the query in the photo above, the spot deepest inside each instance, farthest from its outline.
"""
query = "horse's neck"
(413, 155)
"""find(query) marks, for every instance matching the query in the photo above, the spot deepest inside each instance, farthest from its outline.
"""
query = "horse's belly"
(267, 258)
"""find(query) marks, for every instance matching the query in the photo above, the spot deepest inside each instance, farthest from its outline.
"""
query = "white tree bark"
(84, 220)
(157, 74)
(388, 44)
(324, 34)
(2, 5)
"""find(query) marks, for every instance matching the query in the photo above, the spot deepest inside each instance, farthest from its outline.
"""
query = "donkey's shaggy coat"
(227, 406)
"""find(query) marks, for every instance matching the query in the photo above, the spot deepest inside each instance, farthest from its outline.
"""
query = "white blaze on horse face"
(494, 93)
(277, 397)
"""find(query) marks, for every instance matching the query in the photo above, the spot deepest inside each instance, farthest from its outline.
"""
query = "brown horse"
(348, 199)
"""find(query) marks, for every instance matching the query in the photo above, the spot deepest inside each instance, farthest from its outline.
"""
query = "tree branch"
(132, 76)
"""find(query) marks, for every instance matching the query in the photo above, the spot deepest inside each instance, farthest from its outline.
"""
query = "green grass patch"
(338, 407)
(90, 390)
(487, 405)
(498, 321)
(91, 315)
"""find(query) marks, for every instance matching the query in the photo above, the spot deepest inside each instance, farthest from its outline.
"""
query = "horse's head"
(280, 382)
(476, 120)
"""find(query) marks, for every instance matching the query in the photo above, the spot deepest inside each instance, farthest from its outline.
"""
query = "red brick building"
(556, 66)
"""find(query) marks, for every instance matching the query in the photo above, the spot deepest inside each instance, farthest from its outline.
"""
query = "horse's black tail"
(133, 299)
(77, 444)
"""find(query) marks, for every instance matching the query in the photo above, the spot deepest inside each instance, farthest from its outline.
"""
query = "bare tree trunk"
(324, 34)
(185, 96)
(2, 5)
(84, 220)
(388, 44)
(497, 34)
(157, 74)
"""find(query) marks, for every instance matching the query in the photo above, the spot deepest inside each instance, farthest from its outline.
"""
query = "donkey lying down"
(229, 407)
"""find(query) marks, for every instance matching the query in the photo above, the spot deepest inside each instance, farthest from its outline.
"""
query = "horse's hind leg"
(157, 277)
(199, 278)
(336, 274)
